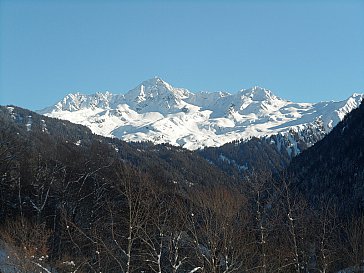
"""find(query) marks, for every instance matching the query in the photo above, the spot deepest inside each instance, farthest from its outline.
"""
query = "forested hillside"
(240, 158)
(334, 167)
(71, 201)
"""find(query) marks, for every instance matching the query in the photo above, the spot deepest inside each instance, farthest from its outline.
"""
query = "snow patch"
(155, 111)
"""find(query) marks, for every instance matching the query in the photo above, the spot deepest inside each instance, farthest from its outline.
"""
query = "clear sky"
(304, 51)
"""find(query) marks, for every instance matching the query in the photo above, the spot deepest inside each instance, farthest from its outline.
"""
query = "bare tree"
(354, 231)
(164, 237)
(215, 225)
(154, 233)
(125, 223)
(136, 212)
(259, 184)
(43, 178)
(326, 229)
(26, 245)
(295, 218)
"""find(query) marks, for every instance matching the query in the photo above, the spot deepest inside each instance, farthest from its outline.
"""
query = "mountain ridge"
(158, 112)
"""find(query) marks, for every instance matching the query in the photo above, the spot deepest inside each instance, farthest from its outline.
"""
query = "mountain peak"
(156, 82)
(257, 93)
(156, 95)
(154, 88)
(354, 95)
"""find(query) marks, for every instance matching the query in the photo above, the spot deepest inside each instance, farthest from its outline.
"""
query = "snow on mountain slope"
(155, 111)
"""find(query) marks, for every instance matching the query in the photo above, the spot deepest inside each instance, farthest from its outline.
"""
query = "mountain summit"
(158, 112)
(156, 95)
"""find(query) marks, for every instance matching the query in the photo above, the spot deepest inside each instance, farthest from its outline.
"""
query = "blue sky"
(301, 50)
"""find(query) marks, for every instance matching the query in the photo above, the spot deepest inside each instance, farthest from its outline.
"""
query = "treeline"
(274, 153)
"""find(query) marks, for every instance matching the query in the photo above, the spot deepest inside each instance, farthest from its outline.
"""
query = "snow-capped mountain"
(155, 111)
